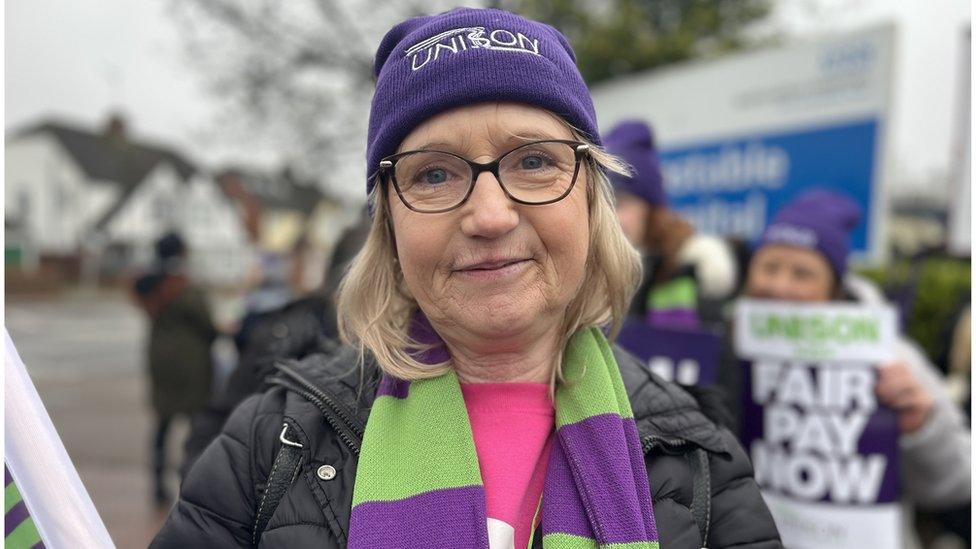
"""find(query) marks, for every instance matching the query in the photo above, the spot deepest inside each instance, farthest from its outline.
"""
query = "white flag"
(48, 482)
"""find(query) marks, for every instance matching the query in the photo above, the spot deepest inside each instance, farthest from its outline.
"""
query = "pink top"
(512, 424)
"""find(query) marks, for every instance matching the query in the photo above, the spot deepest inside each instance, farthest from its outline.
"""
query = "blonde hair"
(375, 309)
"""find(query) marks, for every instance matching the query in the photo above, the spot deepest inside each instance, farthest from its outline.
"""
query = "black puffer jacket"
(326, 401)
(296, 330)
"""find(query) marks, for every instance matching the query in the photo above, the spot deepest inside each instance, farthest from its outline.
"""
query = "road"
(83, 353)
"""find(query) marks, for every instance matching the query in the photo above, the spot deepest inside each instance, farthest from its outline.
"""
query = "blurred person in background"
(179, 346)
(478, 376)
(688, 276)
(300, 327)
(269, 287)
(802, 257)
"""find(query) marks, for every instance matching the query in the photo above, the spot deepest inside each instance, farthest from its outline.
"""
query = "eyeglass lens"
(533, 173)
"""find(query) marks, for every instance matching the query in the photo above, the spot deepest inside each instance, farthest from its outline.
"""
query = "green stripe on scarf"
(399, 434)
(598, 392)
(674, 294)
(23, 536)
(569, 541)
(11, 496)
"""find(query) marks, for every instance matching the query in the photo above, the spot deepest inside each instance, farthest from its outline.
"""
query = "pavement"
(84, 354)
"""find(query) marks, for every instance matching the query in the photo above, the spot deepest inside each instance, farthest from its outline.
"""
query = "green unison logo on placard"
(816, 328)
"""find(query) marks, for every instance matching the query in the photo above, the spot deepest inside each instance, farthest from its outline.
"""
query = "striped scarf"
(418, 483)
(674, 304)
(19, 530)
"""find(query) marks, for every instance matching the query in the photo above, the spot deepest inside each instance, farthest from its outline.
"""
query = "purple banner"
(689, 357)
(816, 432)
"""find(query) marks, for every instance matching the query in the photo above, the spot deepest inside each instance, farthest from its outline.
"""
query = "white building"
(102, 199)
(290, 217)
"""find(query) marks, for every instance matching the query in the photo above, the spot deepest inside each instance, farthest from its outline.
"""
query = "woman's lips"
(494, 270)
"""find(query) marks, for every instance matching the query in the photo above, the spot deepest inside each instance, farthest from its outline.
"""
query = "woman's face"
(789, 273)
(492, 268)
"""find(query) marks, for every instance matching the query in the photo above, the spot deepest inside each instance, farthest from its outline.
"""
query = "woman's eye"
(533, 162)
(802, 275)
(435, 176)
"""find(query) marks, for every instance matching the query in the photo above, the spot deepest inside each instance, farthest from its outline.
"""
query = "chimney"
(115, 128)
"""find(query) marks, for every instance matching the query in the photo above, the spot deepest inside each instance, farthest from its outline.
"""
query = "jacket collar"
(665, 414)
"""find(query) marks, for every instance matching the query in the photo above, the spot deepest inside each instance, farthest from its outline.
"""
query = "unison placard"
(825, 452)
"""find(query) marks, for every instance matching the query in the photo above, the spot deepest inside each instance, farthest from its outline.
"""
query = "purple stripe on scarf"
(434, 355)
(643, 488)
(449, 518)
(38, 545)
(422, 332)
(562, 510)
(14, 517)
(394, 387)
(7, 479)
(599, 459)
(673, 318)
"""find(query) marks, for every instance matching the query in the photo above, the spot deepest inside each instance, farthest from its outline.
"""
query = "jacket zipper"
(339, 427)
(334, 413)
(649, 442)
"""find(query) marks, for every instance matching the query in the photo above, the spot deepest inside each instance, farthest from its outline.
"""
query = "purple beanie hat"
(633, 141)
(430, 64)
(819, 220)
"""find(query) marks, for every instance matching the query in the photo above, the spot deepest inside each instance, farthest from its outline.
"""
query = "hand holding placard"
(901, 390)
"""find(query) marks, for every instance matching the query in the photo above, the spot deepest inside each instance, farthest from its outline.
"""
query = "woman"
(802, 257)
(480, 405)
(688, 276)
(180, 336)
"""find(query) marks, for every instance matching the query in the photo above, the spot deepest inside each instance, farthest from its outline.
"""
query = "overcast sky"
(80, 60)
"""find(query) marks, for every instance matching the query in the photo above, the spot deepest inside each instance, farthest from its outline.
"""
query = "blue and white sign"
(743, 135)
(735, 186)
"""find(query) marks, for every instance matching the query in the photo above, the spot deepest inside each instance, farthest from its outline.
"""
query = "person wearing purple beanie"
(478, 401)
(802, 256)
(688, 276)
(810, 235)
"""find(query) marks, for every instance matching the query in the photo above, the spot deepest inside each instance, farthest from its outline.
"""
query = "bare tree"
(613, 38)
(294, 78)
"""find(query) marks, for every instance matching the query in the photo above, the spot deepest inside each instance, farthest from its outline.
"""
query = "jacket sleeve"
(936, 459)
(217, 500)
(739, 516)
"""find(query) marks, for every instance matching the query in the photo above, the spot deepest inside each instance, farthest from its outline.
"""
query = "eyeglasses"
(537, 173)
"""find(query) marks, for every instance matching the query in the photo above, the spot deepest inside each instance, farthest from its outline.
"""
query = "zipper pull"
(281, 437)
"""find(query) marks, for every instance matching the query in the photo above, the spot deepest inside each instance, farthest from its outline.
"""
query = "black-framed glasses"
(537, 173)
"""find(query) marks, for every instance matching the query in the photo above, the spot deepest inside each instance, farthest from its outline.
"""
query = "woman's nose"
(767, 285)
(782, 286)
(488, 213)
